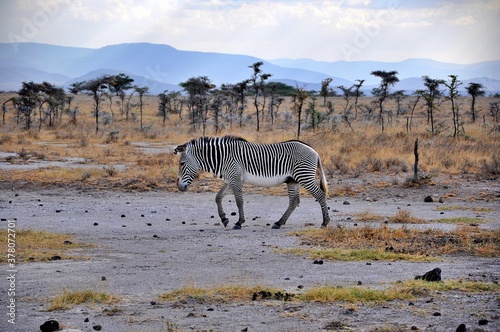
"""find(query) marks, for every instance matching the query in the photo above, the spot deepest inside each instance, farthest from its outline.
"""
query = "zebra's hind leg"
(218, 199)
(293, 202)
(320, 197)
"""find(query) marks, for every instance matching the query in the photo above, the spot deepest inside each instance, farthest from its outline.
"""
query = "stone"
(49, 326)
(432, 275)
(461, 328)
(428, 199)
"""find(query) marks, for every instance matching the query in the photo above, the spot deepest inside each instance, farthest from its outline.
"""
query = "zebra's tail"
(322, 178)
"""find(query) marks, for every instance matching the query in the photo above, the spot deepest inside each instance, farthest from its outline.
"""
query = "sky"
(456, 31)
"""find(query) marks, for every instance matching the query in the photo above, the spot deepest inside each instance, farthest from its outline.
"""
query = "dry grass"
(69, 299)
(219, 294)
(404, 216)
(39, 246)
(408, 289)
(402, 240)
(344, 153)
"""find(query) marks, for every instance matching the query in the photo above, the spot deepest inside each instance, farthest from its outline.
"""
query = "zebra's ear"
(180, 148)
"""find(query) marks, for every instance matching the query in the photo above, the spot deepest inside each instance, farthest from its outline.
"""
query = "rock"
(49, 326)
(461, 328)
(97, 327)
(441, 200)
(96, 224)
(433, 275)
(103, 278)
(346, 203)
(428, 199)
(152, 302)
(483, 322)
(67, 242)
(86, 320)
(55, 258)
(318, 261)
(436, 314)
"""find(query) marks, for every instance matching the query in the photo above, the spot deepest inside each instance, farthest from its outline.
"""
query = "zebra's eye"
(182, 163)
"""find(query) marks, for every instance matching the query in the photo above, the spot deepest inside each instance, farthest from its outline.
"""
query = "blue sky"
(380, 30)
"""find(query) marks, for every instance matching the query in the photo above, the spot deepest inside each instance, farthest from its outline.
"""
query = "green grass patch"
(417, 286)
(350, 255)
(463, 208)
(460, 220)
(354, 294)
(68, 299)
(40, 246)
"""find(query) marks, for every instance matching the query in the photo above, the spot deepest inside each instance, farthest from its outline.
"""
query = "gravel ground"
(156, 242)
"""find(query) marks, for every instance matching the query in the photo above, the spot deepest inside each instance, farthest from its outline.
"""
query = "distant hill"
(163, 67)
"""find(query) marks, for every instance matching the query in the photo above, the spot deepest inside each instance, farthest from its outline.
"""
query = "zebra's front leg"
(238, 196)
(218, 199)
(293, 202)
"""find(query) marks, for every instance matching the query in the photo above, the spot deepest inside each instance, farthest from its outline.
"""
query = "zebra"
(237, 160)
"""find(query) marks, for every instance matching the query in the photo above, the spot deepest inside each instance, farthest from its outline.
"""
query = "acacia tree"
(257, 83)
(298, 100)
(325, 91)
(28, 98)
(97, 88)
(453, 93)
(431, 95)
(474, 90)
(357, 93)
(119, 86)
(169, 102)
(141, 91)
(198, 89)
(387, 79)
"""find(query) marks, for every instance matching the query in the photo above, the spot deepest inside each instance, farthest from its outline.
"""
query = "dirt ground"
(155, 242)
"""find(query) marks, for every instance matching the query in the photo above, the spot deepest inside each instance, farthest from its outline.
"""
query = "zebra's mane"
(207, 139)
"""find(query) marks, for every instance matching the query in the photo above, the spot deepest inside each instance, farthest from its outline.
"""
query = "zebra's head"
(188, 167)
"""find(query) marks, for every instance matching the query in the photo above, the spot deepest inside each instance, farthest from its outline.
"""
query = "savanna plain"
(104, 241)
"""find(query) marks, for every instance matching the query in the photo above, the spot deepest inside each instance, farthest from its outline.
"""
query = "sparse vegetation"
(389, 152)
(408, 289)
(68, 299)
(381, 242)
(39, 246)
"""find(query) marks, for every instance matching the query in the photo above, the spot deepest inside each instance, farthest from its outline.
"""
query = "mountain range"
(162, 67)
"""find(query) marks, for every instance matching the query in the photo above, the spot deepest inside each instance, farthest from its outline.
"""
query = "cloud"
(389, 30)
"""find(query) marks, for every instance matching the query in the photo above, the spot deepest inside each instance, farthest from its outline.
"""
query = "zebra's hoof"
(236, 226)
(225, 221)
(276, 226)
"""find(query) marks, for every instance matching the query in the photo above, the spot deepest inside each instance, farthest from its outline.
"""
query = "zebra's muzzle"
(182, 186)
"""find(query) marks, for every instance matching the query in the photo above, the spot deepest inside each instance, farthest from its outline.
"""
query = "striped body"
(236, 160)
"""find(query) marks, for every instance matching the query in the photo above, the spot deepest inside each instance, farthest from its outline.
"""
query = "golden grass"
(355, 255)
(402, 240)
(342, 151)
(224, 294)
(39, 246)
(408, 289)
(368, 216)
(69, 299)
(404, 216)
